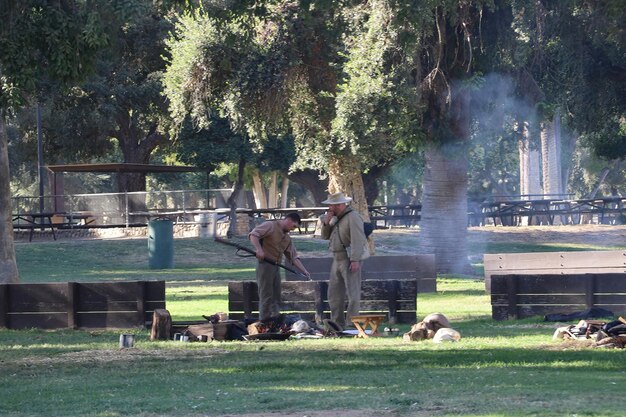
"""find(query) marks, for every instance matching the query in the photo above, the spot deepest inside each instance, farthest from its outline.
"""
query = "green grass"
(498, 369)
(510, 368)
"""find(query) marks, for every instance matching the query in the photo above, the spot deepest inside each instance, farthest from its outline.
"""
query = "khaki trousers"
(268, 282)
(343, 284)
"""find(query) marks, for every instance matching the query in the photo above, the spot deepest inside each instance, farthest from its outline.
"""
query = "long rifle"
(253, 253)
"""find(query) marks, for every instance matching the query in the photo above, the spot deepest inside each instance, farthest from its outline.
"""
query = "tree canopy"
(350, 89)
(44, 42)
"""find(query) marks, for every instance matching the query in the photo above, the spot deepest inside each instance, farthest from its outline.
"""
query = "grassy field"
(510, 368)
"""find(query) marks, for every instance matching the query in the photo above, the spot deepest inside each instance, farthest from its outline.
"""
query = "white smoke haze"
(498, 112)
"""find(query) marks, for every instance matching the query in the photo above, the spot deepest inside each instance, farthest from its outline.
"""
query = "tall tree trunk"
(232, 200)
(568, 146)
(272, 192)
(258, 190)
(133, 182)
(524, 163)
(443, 224)
(344, 174)
(8, 266)
(550, 159)
(136, 146)
(534, 167)
(530, 183)
(284, 190)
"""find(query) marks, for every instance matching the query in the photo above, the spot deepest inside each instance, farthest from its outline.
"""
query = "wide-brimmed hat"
(337, 198)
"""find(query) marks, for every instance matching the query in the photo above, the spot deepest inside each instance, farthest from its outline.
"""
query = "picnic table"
(544, 211)
(34, 220)
(80, 218)
(52, 220)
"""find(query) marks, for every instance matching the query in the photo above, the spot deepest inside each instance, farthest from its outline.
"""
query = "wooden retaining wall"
(394, 298)
(127, 304)
(563, 263)
(519, 296)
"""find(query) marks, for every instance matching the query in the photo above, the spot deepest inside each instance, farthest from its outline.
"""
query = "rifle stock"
(250, 251)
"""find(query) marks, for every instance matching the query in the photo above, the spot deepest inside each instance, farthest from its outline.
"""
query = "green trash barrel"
(160, 244)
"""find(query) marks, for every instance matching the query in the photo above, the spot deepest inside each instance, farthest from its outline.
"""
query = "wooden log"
(161, 325)
(255, 328)
(196, 331)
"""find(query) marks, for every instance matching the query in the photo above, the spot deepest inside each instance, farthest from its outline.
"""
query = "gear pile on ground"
(434, 326)
(610, 334)
(220, 327)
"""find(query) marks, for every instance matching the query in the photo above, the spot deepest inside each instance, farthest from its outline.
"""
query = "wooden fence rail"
(125, 304)
(420, 267)
(563, 263)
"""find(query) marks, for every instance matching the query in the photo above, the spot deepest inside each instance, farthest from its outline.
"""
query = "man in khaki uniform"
(271, 240)
(344, 228)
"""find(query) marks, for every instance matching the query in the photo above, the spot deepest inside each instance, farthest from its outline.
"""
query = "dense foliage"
(360, 92)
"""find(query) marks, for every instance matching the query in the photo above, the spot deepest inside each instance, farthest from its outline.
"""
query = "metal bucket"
(127, 340)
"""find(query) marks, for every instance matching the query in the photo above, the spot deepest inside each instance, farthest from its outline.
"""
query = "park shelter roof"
(122, 167)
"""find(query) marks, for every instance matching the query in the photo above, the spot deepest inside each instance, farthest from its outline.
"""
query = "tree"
(277, 69)
(121, 100)
(55, 41)
(358, 83)
(577, 59)
(443, 50)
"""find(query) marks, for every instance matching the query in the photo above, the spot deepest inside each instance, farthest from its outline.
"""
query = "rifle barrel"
(270, 261)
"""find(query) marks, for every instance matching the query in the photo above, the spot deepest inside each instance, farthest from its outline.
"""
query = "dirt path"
(327, 413)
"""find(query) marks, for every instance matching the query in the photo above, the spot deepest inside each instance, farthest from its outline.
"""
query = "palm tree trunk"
(8, 266)
(443, 224)
(523, 147)
(550, 159)
(530, 182)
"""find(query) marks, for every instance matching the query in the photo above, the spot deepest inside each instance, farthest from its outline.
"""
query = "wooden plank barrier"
(394, 298)
(555, 263)
(519, 296)
(124, 304)
(411, 267)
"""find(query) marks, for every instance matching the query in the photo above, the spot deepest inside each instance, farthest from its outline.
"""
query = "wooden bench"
(519, 296)
(124, 304)
(396, 299)
(412, 267)
(555, 263)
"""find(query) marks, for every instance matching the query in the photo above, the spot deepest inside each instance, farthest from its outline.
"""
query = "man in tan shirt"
(271, 240)
(343, 226)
